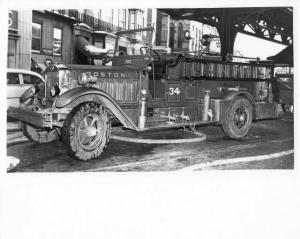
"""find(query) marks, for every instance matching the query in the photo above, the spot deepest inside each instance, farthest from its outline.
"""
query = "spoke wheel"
(86, 131)
(89, 132)
(238, 118)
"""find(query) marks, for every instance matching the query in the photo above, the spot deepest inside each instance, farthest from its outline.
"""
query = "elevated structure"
(269, 23)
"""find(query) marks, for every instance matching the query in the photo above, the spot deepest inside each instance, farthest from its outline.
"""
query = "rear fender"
(78, 95)
(229, 96)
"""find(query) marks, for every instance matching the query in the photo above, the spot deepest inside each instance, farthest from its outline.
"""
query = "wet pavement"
(266, 137)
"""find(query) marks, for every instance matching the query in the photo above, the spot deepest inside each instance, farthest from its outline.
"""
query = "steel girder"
(269, 23)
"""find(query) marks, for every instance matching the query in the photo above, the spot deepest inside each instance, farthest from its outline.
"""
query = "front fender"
(78, 95)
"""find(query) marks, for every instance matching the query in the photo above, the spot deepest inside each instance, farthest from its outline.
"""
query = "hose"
(201, 137)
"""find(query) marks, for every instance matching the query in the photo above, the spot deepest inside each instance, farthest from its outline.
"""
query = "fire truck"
(148, 91)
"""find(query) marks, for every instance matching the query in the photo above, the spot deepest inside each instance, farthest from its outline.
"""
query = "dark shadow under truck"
(144, 92)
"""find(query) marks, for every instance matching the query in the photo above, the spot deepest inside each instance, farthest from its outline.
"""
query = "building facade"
(59, 34)
(52, 37)
(19, 39)
(105, 22)
(36, 35)
(170, 33)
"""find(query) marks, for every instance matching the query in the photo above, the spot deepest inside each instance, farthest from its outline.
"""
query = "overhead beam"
(272, 29)
(262, 37)
(227, 32)
(233, 20)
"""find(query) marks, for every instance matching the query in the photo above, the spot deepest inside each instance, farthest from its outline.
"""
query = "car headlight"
(54, 91)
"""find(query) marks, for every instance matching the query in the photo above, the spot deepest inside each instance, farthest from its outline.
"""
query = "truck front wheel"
(86, 131)
(238, 118)
(39, 135)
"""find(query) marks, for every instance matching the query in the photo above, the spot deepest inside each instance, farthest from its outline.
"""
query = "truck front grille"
(123, 91)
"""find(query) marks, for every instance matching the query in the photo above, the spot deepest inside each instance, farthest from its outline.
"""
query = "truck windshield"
(142, 39)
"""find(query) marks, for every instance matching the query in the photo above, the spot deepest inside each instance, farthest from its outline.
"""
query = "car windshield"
(31, 79)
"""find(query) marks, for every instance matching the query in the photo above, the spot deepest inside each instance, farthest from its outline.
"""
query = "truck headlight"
(54, 91)
(83, 79)
(86, 78)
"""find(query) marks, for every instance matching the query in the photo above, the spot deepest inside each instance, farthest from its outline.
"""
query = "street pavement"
(266, 137)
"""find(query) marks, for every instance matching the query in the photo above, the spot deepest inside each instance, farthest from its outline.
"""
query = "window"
(132, 19)
(57, 36)
(13, 78)
(36, 37)
(139, 19)
(172, 34)
(196, 40)
(180, 35)
(122, 19)
(99, 43)
(30, 79)
(11, 53)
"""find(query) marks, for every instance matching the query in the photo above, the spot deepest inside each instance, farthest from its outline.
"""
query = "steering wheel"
(107, 57)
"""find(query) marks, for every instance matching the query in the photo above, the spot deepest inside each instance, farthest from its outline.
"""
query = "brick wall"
(50, 21)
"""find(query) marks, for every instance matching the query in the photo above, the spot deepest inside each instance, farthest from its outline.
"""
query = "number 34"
(173, 91)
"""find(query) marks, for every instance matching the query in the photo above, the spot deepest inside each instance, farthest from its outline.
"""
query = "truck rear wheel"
(39, 135)
(238, 118)
(86, 131)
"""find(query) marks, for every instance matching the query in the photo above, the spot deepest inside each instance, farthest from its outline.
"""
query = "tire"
(40, 136)
(238, 118)
(86, 131)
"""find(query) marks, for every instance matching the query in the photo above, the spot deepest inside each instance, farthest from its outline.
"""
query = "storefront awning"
(86, 48)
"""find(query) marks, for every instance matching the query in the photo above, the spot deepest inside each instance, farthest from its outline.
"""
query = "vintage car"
(18, 81)
(143, 92)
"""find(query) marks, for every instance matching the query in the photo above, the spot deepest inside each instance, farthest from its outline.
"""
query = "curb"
(15, 135)
(13, 126)
(17, 141)
(15, 138)
(236, 160)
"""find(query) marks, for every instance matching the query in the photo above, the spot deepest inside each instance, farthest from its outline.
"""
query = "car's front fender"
(78, 95)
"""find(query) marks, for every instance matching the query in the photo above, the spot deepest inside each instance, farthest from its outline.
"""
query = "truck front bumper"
(38, 120)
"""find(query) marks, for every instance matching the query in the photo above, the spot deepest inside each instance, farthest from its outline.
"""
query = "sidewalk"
(13, 126)
(14, 133)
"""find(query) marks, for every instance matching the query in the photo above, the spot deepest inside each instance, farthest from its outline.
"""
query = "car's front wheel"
(86, 131)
